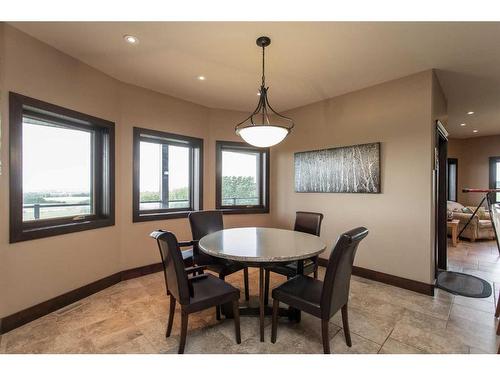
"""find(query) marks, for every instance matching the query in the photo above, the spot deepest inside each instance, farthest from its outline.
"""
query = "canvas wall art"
(351, 169)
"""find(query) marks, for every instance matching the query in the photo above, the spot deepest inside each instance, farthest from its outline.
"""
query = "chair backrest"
(175, 274)
(337, 279)
(308, 222)
(203, 223)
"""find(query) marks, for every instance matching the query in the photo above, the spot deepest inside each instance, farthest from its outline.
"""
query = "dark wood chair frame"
(306, 222)
(323, 299)
(182, 288)
(213, 221)
(187, 255)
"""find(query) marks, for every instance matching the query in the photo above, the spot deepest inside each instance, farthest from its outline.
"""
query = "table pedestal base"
(262, 310)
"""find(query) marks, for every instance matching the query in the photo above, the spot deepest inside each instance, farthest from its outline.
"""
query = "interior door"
(441, 192)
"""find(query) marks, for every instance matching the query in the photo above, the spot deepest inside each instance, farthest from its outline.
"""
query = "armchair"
(194, 293)
(479, 228)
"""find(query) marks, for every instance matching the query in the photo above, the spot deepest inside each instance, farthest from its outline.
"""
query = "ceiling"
(306, 62)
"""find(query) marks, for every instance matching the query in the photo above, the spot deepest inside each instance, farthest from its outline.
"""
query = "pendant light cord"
(263, 71)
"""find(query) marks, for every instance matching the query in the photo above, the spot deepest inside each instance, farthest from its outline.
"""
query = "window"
(61, 170)
(495, 176)
(168, 175)
(452, 179)
(242, 178)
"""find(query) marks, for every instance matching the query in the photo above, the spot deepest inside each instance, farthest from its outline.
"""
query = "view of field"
(178, 198)
(47, 205)
(239, 178)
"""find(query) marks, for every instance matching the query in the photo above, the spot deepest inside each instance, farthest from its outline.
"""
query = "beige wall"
(473, 164)
(34, 271)
(397, 114)
(37, 270)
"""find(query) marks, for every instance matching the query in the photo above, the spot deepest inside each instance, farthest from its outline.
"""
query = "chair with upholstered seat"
(305, 222)
(206, 222)
(195, 293)
(323, 299)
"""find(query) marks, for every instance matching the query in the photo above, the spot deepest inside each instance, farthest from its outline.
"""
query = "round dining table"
(262, 247)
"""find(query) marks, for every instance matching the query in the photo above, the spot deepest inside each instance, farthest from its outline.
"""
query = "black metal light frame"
(264, 109)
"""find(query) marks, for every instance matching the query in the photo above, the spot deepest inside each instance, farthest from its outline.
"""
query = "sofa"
(479, 228)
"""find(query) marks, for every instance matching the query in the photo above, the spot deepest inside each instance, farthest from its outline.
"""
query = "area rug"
(463, 285)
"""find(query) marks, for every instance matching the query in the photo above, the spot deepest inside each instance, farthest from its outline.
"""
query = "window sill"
(27, 234)
(137, 218)
(243, 210)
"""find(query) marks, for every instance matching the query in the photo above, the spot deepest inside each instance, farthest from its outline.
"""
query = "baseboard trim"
(141, 271)
(29, 314)
(400, 282)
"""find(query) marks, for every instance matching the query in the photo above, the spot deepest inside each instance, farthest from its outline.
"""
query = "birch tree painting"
(351, 169)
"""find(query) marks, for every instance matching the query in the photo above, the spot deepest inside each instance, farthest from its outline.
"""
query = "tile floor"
(130, 317)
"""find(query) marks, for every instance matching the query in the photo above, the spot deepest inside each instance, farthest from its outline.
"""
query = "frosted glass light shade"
(263, 135)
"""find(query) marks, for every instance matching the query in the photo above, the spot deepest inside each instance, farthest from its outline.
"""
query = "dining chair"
(305, 222)
(206, 222)
(323, 299)
(195, 293)
(187, 255)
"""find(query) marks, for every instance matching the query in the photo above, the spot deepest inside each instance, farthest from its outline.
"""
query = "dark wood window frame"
(493, 175)
(196, 174)
(264, 191)
(103, 152)
(452, 161)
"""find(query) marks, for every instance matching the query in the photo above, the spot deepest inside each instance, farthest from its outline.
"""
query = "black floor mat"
(463, 285)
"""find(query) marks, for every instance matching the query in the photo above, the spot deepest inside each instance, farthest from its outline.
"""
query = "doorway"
(451, 281)
(440, 194)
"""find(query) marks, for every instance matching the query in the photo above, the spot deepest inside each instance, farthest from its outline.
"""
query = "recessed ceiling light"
(463, 124)
(475, 131)
(202, 78)
(131, 39)
(470, 112)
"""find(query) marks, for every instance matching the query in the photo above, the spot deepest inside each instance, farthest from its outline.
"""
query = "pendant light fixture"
(264, 127)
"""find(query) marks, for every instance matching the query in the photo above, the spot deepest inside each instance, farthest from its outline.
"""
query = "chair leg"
(218, 307)
(274, 330)
(217, 312)
(345, 323)
(170, 316)
(184, 327)
(316, 266)
(324, 335)
(245, 278)
(236, 317)
(266, 287)
(261, 303)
